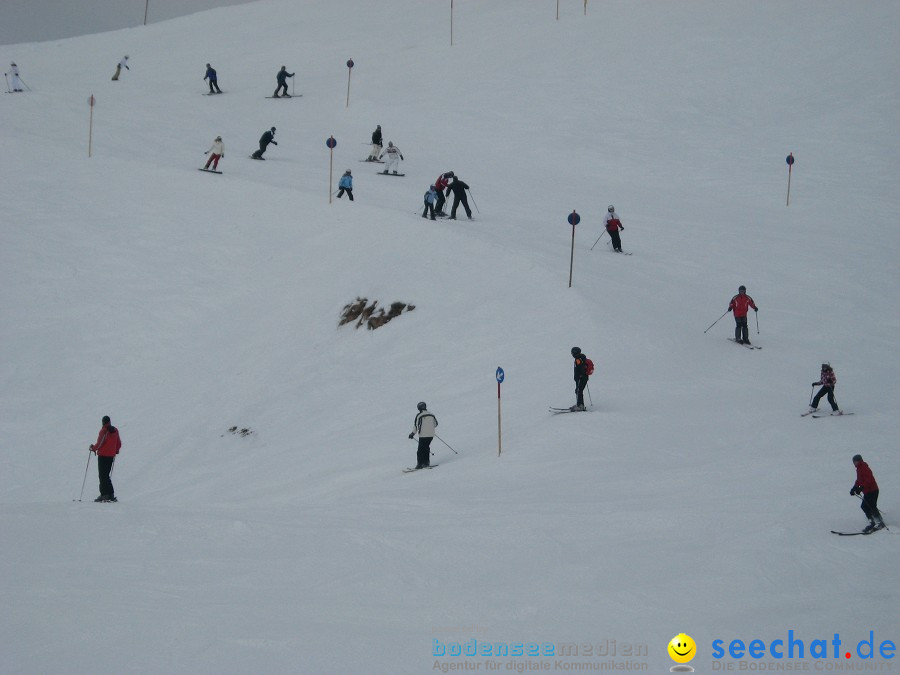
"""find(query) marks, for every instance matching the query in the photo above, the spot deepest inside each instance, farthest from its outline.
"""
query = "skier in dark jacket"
(282, 77)
(865, 484)
(213, 80)
(458, 188)
(376, 145)
(265, 139)
(581, 377)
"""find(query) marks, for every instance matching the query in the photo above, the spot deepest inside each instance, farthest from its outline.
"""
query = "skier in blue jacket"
(430, 198)
(346, 185)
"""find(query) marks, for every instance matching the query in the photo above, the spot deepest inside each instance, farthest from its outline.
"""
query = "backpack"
(588, 366)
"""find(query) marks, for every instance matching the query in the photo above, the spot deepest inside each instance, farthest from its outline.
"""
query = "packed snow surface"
(691, 498)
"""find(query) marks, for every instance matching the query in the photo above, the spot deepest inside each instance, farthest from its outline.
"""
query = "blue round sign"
(574, 218)
(790, 159)
(331, 143)
(350, 63)
(500, 374)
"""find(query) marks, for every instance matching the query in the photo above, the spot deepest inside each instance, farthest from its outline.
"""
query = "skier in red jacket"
(865, 484)
(740, 305)
(441, 184)
(106, 448)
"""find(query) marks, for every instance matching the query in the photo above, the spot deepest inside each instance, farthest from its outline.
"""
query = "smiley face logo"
(682, 648)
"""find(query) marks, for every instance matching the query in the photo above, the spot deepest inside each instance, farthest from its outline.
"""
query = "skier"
(441, 184)
(393, 158)
(16, 81)
(581, 377)
(458, 188)
(430, 198)
(828, 380)
(106, 448)
(740, 304)
(613, 226)
(264, 140)
(281, 77)
(425, 425)
(213, 80)
(376, 145)
(346, 185)
(216, 152)
(865, 484)
(122, 64)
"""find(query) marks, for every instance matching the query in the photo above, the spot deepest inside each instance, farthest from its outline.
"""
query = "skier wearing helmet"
(614, 226)
(740, 304)
(828, 380)
(424, 425)
(581, 375)
(393, 158)
(346, 185)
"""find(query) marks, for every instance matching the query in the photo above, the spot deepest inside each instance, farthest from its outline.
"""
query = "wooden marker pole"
(91, 101)
(790, 163)
(573, 219)
(331, 143)
(500, 378)
(349, 70)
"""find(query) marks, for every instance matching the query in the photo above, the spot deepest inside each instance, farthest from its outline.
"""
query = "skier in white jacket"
(425, 425)
(216, 152)
(393, 158)
(16, 82)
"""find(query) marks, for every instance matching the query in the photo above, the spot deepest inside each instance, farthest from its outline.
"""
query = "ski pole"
(473, 201)
(598, 239)
(588, 387)
(6, 77)
(25, 83)
(757, 322)
(85, 475)
(717, 320)
(445, 443)
(811, 394)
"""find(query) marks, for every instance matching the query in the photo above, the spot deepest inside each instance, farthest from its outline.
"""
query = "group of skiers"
(435, 197)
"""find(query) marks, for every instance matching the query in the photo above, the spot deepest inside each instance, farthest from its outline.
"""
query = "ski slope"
(692, 498)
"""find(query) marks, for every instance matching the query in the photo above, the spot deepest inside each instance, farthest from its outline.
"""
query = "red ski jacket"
(865, 479)
(108, 442)
(740, 304)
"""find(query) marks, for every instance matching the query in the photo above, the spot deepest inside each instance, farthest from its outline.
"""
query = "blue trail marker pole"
(790, 162)
(331, 143)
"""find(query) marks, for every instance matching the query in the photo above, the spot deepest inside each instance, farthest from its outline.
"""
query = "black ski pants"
(104, 468)
(423, 454)
(741, 332)
(829, 390)
(428, 207)
(460, 197)
(870, 505)
(349, 192)
(616, 239)
(579, 390)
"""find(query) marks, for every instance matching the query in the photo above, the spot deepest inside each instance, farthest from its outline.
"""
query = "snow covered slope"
(692, 498)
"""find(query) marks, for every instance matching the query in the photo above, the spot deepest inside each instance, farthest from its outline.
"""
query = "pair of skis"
(861, 532)
(560, 411)
(817, 415)
(745, 344)
(411, 469)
